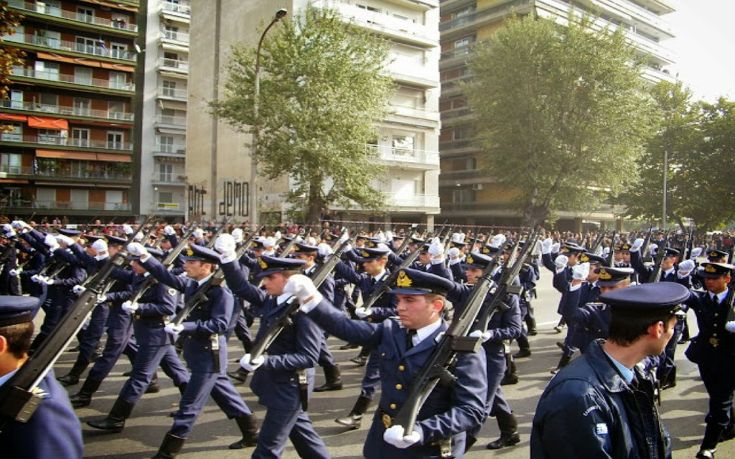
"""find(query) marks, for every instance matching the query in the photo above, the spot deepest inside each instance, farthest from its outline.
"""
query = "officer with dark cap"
(713, 350)
(9, 281)
(560, 260)
(601, 404)
(404, 344)
(284, 379)
(53, 431)
(205, 348)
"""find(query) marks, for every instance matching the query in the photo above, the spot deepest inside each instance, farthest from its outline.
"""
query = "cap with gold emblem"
(272, 265)
(196, 252)
(371, 253)
(713, 270)
(415, 282)
(664, 297)
(591, 258)
(714, 254)
(477, 260)
(610, 276)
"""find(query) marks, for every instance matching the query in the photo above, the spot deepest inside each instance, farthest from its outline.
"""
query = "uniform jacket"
(589, 411)
(711, 320)
(447, 412)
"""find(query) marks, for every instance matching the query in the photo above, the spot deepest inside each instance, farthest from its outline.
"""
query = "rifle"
(406, 240)
(225, 222)
(18, 396)
(286, 250)
(646, 242)
(690, 243)
(611, 256)
(385, 284)
(598, 242)
(656, 273)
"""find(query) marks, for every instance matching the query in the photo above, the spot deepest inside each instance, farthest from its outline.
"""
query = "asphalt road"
(683, 406)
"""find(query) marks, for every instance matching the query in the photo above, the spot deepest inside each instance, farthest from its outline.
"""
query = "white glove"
(251, 365)
(395, 436)
(127, 229)
(8, 230)
(484, 335)
(15, 272)
(324, 250)
(730, 326)
(66, 240)
(637, 244)
(546, 245)
(685, 267)
(168, 230)
(130, 307)
(652, 248)
(136, 249)
(302, 288)
(173, 330)
(78, 289)
(21, 226)
(362, 313)
(555, 247)
(580, 271)
(237, 234)
(278, 235)
(226, 245)
(101, 299)
(37, 279)
(51, 242)
(453, 253)
(561, 261)
(49, 281)
(436, 247)
(498, 240)
(696, 252)
(344, 237)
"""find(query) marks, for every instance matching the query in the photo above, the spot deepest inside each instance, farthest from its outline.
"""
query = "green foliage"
(560, 110)
(9, 57)
(322, 89)
(699, 140)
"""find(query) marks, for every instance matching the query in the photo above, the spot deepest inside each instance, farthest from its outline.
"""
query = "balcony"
(402, 200)
(414, 71)
(24, 204)
(175, 11)
(174, 65)
(171, 122)
(396, 29)
(72, 47)
(420, 159)
(415, 112)
(640, 15)
(175, 39)
(172, 94)
(96, 83)
(44, 11)
(55, 174)
(484, 16)
(33, 140)
(65, 111)
(170, 151)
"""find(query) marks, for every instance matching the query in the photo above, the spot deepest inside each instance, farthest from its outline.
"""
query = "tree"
(560, 112)
(9, 57)
(322, 89)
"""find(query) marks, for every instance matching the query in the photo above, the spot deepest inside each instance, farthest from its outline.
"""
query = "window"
(80, 137)
(115, 109)
(119, 50)
(166, 172)
(51, 7)
(15, 134)
(403, 144)
(82, 106)
(118, 80)
(18, 34)
(85, 45)
(113, 200)
(46, 70)
(169, 88)
(166, 144)
(115, 140)
(165, 196)
(16, 99)
(170, 32)
(83, 75)
(49, 38)
(463, 42)
(49, 136)
(85, 14)
(463, 195)
(119, 21)
(79, 199)
(45, 197)
(10, 163)
(368, 8)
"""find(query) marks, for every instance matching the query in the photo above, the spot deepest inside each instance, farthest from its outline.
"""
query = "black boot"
(361, 358)
(508, 426)
(115, 421)
(709, 443)
(347, 346)
(354, 418)
(153, 387)
(531, 324)
(76, 371)
(249, 428)
(669, 380)
(84, 396)
(170, 447)
(525, 347)
(333, 379)
(511, 373)
(563, 361)
(240, 375)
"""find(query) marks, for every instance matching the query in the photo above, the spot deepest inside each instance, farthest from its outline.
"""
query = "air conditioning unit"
(477, 187)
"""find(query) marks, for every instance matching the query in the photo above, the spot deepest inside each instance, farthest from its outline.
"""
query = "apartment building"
(468, 194)
(218, 160)
(69, 150)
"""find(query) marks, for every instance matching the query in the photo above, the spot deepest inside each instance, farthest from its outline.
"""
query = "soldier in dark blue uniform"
(205, 348)
(149, 313)
(9, 282)
(713, 350)
(602, 405)
(404, 344)
(284, 378)
(53, 430)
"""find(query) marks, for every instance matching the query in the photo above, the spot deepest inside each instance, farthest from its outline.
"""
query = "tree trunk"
(315, 205)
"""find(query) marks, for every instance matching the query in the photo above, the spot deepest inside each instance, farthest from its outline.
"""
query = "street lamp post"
(280, 14)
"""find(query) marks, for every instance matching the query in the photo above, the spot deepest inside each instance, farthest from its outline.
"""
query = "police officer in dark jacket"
(601, 404)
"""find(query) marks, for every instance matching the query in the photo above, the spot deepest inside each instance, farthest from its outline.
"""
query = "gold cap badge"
(604, 275)
(403, 280)
(710, 269)
(263, 264)
(470, 260)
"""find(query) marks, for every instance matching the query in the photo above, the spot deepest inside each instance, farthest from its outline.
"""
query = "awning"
(85, 61)
(9, 117)
(116, 5)
(48, 123)
(21, 182)
(61, 154)
(118, 67)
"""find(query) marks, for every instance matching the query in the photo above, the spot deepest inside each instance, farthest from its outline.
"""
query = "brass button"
(399, 386)
(392, 406)
(401, 368)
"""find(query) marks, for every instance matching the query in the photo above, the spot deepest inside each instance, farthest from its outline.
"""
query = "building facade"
(468, 194)
(218, 159)
(68, 151)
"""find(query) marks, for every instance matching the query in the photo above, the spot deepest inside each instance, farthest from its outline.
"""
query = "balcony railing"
(182, 37)
(55, 76)
(68, 111)
(60, 140)
(71, 15)
(179, 65)
(480, 14)
(96, 49)
(179, 121)
(69, 205)
(55, 173)
(176, 8)
(168, 149)
(416, 200)
(180, 94)
(406, 155)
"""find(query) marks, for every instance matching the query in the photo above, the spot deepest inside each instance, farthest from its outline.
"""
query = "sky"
(704, 47)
